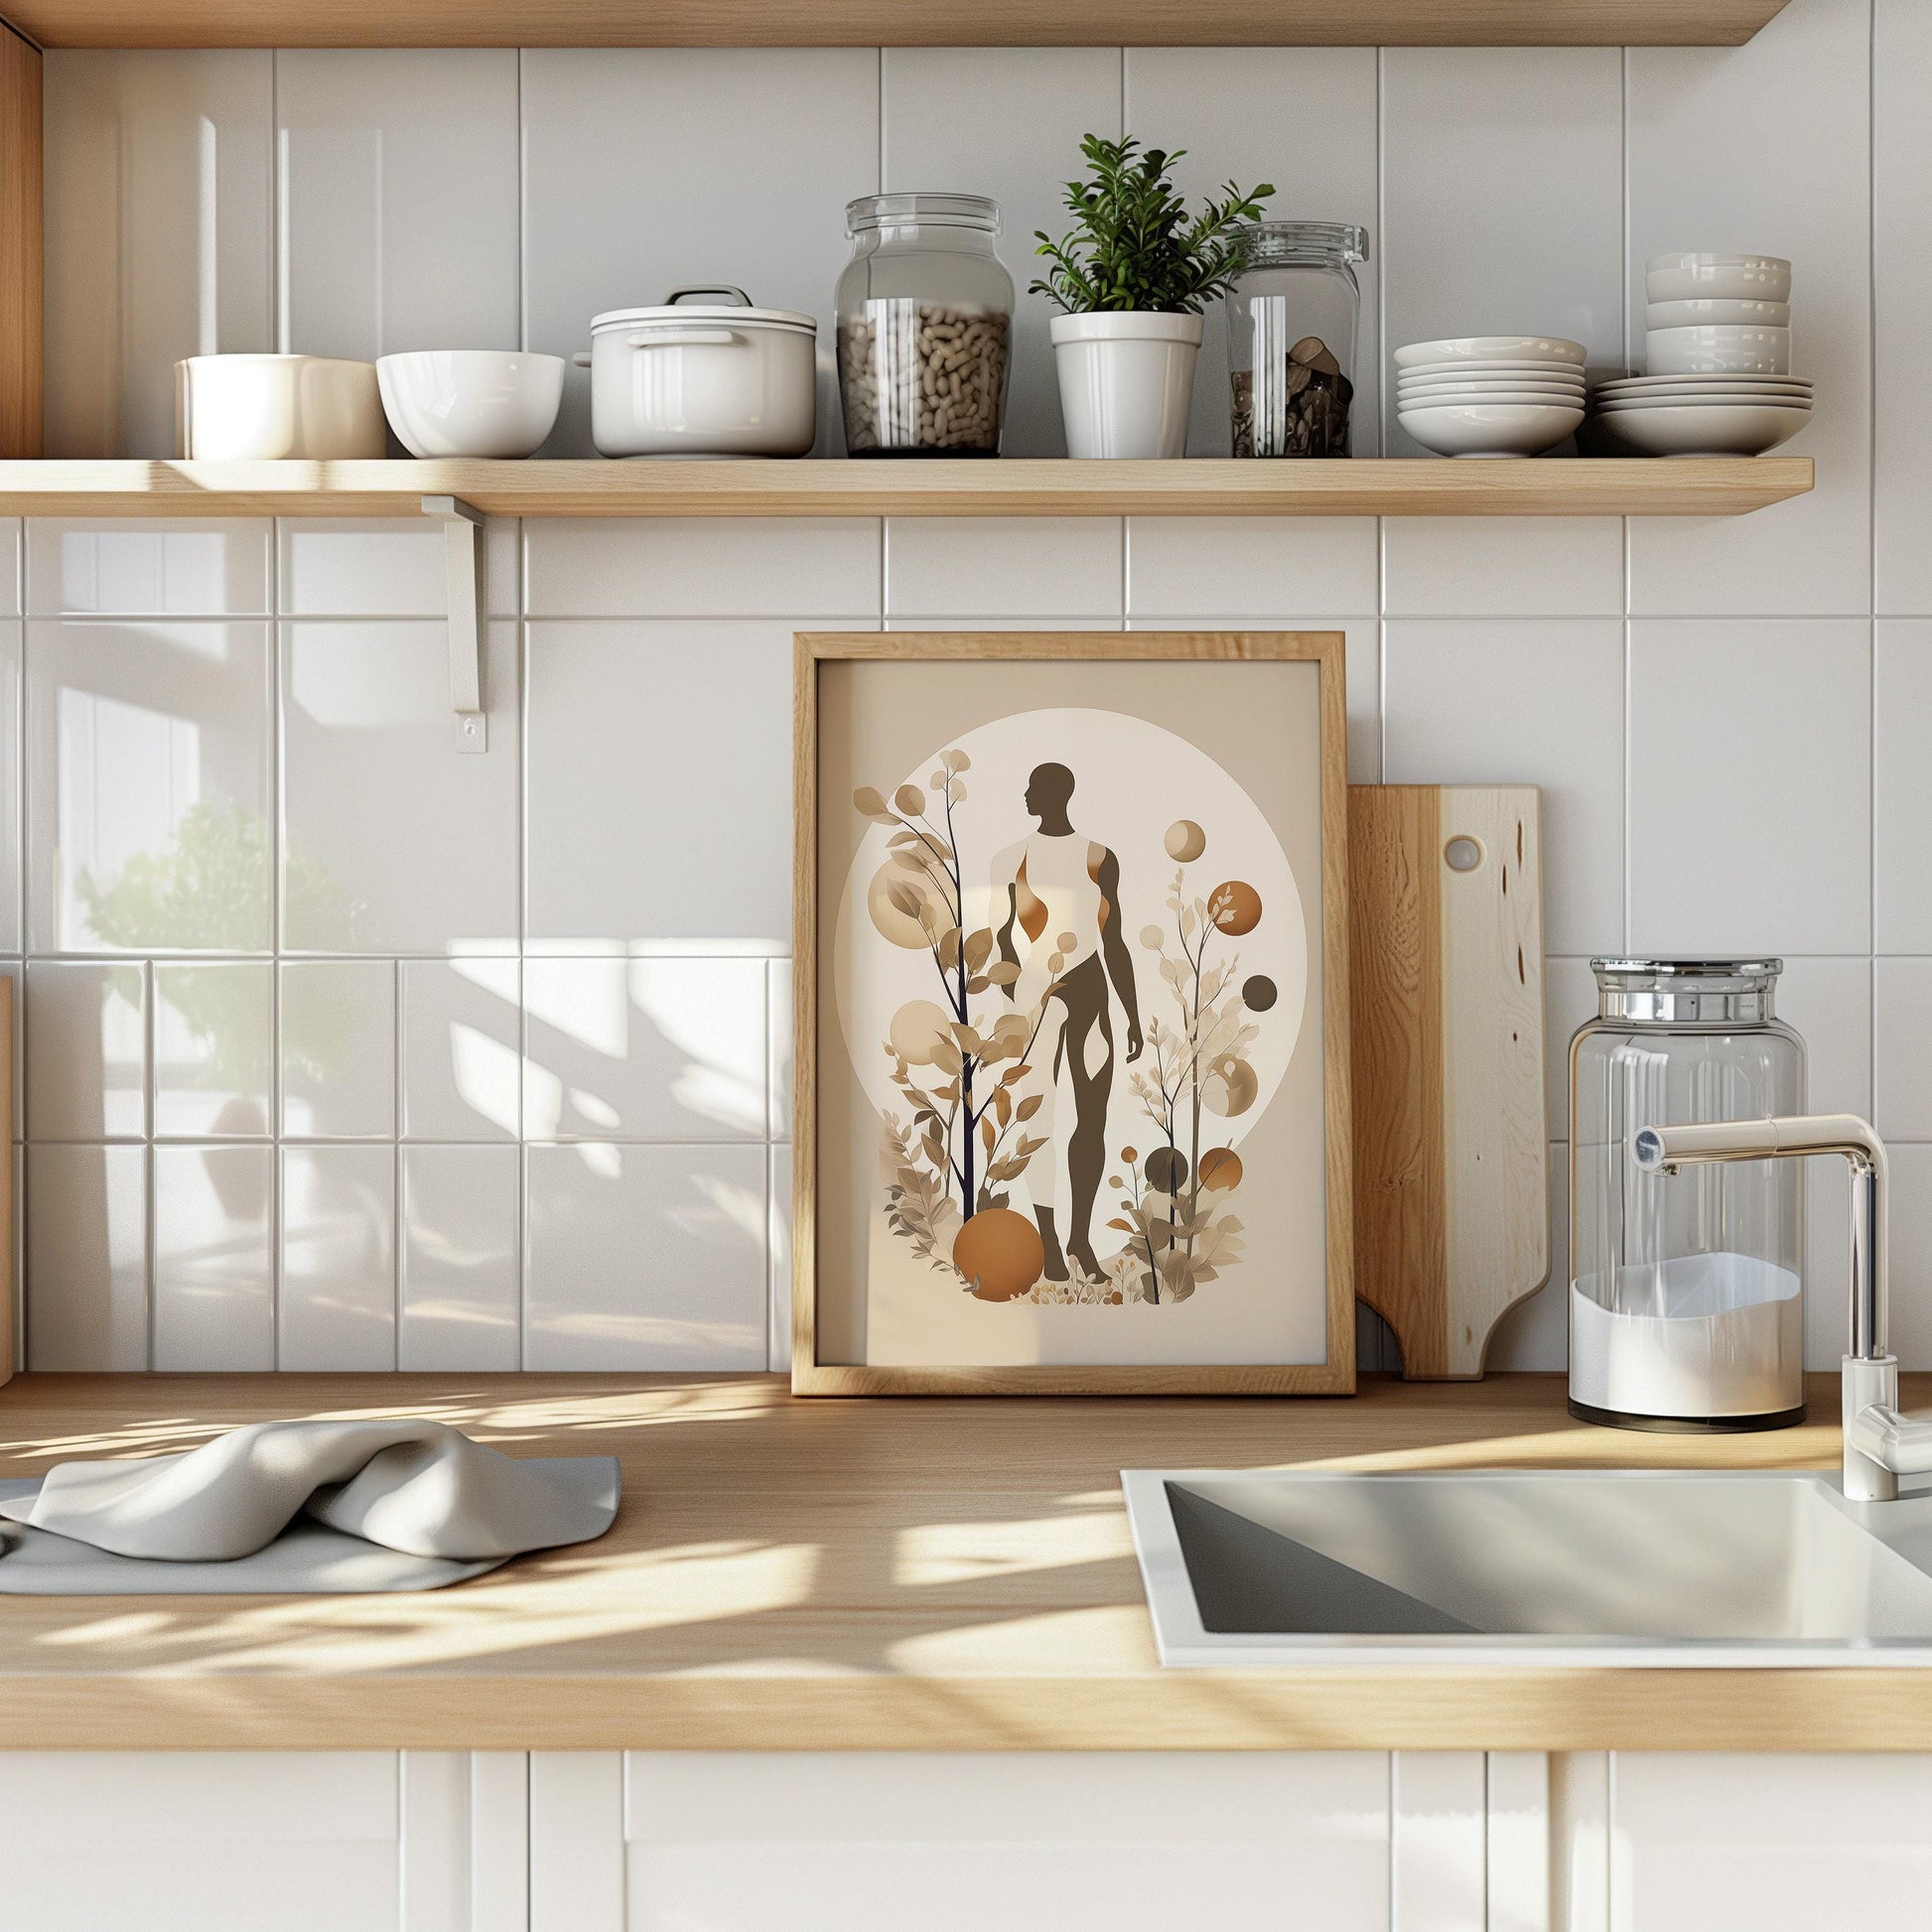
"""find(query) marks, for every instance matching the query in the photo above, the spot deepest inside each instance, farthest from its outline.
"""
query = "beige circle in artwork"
(902, 929)
(999, 1252)
(1237, 907)
(1229, 1088)
(1220, 1169)
(1186, 841)
(916, 1030)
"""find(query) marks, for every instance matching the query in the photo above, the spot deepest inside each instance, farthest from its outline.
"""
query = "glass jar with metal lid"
(1686, 1309)
(1292, 326)
(925, 323)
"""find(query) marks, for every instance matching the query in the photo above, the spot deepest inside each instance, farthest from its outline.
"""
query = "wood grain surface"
(862, 1576)
(891, 23)
(814, 1377)
(1012, 487)
(1452, 1139)
(20, 247)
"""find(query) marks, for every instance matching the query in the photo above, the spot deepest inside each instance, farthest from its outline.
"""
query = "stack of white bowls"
(1491, 395)
(1720, 349)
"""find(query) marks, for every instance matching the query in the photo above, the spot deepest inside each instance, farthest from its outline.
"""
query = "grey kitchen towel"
(297, 1507)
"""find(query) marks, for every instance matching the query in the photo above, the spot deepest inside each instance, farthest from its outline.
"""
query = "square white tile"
(1750, 763)
(148, 754)
(462, 1051)
(704, 567)
(1503, 566)
(214, 1050)
(963, 569)
(1568, 999)
(87, 1259)
(12, 566)
(86, 1028)
(1902, 1048)
(332, 567)
(395, 840)
(1236, 566)
(645, 1258)
(659, 787)
(159, 165)
(141, 568)
(614, 215)
(339, 1049)
(1829, 1004)
(1790, 113)
(398, 215)
(778, 1236)
(779, 1032)
(503, 566)
(10, 787)
(459, 1291)
(1520, 701)
(214, 1258)
(338, 1258)
(1911, 1261)
(1901, 276)
(1302, 117)
(1901, 801)
(1502, 184)
(645, 1049)
(1004, 122)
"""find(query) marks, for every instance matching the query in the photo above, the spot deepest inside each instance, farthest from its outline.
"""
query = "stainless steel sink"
(1281, 1569)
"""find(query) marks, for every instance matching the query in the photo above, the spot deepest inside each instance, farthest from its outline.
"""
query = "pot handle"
(682, 338)
(743, 300)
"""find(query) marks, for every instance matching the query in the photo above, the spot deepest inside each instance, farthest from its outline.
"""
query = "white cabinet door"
(876, 1841)
(200, 1841)
(1703, 1843)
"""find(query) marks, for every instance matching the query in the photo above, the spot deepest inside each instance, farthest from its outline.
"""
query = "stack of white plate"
(1718, 315)
(1491, 395)
(1703, 415)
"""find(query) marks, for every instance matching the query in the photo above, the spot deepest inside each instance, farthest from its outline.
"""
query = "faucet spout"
(1880, 1443)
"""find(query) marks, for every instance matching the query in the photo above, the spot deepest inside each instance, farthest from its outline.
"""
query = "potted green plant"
(1133, 277)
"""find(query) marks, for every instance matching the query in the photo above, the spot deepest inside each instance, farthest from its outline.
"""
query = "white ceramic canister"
(703, 379)
(1127, 381)
(268, 408)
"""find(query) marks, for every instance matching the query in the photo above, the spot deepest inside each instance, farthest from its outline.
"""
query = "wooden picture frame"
(1325, 936)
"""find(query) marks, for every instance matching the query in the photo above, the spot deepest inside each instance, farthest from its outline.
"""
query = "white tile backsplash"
(10, 787)
(593, 948)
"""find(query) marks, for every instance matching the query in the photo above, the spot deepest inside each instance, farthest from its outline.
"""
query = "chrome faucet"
(1880, 1445)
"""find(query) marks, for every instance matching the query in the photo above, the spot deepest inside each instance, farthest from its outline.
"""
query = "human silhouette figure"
(1055, 884)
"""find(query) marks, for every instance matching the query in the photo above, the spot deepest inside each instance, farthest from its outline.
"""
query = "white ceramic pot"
(266, 409)
(703, 379)
(471, 402)
(1127, 381)
(1729, 350)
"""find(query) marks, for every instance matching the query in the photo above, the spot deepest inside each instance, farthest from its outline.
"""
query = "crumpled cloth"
(300, 1506)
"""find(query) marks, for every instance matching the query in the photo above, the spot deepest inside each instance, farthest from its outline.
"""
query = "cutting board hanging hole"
(1463, 854)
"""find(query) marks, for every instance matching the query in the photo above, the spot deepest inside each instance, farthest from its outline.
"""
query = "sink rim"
(1183, 1642)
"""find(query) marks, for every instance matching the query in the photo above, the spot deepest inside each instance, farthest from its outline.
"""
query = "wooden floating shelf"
(890, 23)
(1018, 487)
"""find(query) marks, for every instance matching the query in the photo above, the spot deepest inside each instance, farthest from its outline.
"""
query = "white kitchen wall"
(345, 1050)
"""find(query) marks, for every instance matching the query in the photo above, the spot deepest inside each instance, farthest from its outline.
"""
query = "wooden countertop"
(848, 1574)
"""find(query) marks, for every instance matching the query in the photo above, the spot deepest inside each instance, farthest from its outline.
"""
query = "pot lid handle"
(743, 300)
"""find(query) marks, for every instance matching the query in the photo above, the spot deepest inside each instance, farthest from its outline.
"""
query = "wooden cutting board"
(1452, 1134)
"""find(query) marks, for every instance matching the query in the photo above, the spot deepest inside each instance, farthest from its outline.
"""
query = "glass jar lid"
(1304, 241)
(924, 206)
(1687, 992)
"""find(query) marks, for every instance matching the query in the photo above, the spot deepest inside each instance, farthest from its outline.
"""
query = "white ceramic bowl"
(1455, 398)
(276, 408)
(478, 402)
(1719, 351)
(1492, 428)
(1714, 429)
(1428, 385)
(1713, 313)
(1490, 348)
(1701, 398)
(1720, 278)
(1549, 365)
(1715, 385)
(1664, 384)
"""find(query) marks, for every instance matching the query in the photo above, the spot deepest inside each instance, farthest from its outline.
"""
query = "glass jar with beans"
(926, 327)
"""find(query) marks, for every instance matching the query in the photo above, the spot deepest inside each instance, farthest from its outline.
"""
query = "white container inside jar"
(703, 379)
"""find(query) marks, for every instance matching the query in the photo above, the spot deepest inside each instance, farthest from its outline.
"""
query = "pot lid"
(736, 306)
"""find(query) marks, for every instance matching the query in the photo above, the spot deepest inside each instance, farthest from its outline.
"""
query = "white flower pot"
(1127, 381)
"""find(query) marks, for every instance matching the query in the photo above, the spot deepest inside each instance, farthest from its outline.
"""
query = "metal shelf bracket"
(459, 525)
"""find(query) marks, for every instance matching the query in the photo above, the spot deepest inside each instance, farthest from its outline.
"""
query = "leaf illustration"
(873, 805)
(910, 800)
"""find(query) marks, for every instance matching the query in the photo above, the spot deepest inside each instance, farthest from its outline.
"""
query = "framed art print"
(1072, 1054)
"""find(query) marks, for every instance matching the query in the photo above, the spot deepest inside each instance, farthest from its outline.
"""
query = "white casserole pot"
(703, 379)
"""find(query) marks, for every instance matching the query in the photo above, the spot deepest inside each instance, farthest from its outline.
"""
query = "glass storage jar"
(1685, 1304)
(926, 326)
(1292, 326)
